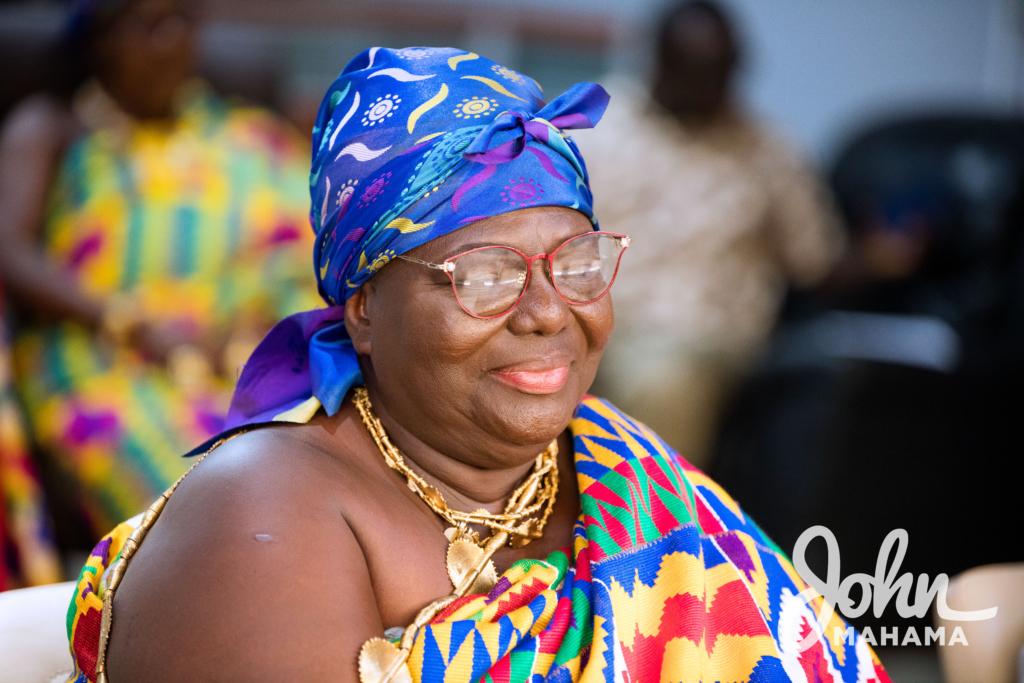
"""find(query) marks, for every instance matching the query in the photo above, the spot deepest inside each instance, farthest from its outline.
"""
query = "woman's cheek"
(458, 338)
(599, 325)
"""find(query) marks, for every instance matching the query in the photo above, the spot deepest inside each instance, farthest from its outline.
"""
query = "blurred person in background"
(726, 216)
(152, 233)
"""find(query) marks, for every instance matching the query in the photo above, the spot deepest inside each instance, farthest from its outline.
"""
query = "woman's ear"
(357, 319)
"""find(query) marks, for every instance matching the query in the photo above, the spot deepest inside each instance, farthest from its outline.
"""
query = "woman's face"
(146, 55)
(465, 385)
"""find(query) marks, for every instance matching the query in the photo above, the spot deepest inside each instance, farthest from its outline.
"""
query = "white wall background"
(821, 69)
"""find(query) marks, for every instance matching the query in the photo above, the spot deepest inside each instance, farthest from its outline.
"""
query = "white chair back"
(33, 634)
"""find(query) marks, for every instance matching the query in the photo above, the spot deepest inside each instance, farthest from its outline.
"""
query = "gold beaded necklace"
(469, 558)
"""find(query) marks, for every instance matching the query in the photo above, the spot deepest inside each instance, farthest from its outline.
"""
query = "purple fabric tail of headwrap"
(396, 166)
(296, 360)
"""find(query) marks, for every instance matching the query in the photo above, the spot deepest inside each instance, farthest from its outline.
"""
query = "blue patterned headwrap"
(413, 144)
(410, 145)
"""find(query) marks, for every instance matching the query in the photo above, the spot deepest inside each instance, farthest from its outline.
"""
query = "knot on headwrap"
(505, 139)
(410, 145)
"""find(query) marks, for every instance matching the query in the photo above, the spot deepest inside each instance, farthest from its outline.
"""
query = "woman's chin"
(528, 417)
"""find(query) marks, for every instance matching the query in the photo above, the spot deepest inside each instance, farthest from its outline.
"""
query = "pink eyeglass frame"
(448, 266)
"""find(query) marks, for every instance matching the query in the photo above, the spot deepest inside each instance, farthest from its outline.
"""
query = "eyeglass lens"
(489, 281)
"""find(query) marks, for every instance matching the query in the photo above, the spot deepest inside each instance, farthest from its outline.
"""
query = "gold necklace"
(469, 558)
(536, 494)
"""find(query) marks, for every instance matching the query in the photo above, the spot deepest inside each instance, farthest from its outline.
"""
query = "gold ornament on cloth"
(469, 558)
(378, 657)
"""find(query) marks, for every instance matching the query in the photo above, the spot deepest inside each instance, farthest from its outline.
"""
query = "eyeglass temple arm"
(446, 267)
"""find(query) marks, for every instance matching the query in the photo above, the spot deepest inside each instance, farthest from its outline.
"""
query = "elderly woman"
(414, 484)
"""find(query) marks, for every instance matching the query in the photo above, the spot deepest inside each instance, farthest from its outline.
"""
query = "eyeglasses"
(490, 281)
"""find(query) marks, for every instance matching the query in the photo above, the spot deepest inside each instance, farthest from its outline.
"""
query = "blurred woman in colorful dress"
(152, 233)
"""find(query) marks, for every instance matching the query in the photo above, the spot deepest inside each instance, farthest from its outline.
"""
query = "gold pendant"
(463, 557)
(527, 532)
(378, 658)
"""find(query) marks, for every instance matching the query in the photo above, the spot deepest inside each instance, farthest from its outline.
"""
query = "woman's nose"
(542, 310)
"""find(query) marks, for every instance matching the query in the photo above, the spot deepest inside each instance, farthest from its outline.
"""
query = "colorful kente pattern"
(86, 608)
(668, 581)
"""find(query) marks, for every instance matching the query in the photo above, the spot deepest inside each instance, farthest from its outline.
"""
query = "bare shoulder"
(252, 571)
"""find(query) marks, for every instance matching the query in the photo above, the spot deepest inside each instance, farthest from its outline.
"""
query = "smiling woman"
(414, 485)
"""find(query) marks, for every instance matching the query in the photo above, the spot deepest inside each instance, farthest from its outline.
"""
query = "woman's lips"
(535, 381)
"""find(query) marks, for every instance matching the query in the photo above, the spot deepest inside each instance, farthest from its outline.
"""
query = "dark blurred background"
(882, 393)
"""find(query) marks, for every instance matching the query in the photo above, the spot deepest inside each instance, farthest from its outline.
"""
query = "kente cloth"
(668, 580)
(28, 552)
(203, 221)
(410, 145)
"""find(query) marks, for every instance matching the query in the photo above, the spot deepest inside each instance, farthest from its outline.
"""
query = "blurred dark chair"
(896, 403)
(960, 179)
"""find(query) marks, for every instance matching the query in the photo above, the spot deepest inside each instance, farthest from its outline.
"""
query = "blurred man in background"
(725, 217)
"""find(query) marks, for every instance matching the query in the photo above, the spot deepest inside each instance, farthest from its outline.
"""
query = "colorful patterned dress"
(202, 221)
(28, 555)
(668, 581)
